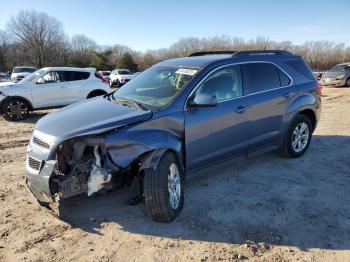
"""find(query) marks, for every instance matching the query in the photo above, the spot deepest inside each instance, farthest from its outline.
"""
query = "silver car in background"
(338, 75)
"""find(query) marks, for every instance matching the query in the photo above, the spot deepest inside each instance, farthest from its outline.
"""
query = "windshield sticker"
(186, 71)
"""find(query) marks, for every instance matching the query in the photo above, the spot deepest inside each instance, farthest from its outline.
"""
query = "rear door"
(217, 133)
(269, 91)
(77, 85)
(51, 93)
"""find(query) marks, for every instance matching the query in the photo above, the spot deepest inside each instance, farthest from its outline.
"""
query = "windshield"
(32, 76)
(340, 68)
(106, 73)
(23, 70)
(156, 87)
(124, 72)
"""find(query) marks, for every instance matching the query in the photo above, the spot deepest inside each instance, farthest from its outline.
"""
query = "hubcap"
(300, 137)
(174, 186)
(17, 109)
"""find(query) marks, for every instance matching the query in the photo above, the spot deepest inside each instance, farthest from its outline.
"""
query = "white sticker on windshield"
(186, 71)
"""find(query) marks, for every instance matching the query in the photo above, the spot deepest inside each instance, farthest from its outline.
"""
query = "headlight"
(340, 76)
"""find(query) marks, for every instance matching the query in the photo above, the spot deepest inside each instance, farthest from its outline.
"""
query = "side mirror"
(40, 81)
(203, 100)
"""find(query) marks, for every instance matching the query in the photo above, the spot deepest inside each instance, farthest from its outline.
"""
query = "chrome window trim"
(241, 63)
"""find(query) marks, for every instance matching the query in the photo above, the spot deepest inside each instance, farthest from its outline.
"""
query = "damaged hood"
(90, 116)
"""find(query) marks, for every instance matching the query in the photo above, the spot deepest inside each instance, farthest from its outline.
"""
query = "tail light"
(319, 88)
(101, 78)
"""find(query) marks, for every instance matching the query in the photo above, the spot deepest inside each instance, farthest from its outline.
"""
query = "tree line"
(37, 39)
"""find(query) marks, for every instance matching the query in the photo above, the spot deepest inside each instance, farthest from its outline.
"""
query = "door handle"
(241, 109)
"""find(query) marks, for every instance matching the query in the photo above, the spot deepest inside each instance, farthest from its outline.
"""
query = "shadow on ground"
(300, 202)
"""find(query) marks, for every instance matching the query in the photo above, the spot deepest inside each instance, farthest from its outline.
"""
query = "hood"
(90, 116)
(7, 84)
(332, 74)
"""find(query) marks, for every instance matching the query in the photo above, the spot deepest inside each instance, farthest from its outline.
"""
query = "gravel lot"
(264, 209)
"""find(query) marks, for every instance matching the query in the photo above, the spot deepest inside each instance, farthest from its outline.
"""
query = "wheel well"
(16, 97)
(97, 92)
(311, 115)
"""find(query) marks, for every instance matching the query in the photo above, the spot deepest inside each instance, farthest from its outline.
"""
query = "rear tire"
(15, 109)
(163, 189)
(298, 137)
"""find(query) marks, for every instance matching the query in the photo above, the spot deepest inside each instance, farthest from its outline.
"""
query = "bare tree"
(4, 49)
(39, 32)
(82, 50)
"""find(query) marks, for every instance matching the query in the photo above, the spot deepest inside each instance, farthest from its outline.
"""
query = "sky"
(153, 24)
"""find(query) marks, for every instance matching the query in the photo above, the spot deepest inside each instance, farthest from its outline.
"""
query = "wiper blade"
(130, 103)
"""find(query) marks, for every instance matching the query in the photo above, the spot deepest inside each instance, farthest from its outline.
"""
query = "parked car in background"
(105, 74)
(338, 75)
(5, 77)
(318, 75)
(119, 77)
(20, 72)
(50, 87)
(176, 118)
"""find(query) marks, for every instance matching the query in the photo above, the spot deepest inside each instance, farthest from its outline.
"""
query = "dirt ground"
(264, 209)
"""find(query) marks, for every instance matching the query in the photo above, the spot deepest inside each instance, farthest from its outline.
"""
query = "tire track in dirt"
(14, 144)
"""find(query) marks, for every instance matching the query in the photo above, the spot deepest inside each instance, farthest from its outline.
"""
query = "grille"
(39, 142)
(33, 163)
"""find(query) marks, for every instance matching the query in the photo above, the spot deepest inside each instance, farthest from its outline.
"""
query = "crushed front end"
(58, 171)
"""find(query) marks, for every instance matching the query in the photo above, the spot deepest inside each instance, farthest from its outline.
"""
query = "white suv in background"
(50, 87)
(20, 72)
(118, 77)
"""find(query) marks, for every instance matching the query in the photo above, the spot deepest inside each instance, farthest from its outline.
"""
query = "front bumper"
(40, 196)
(333, 82)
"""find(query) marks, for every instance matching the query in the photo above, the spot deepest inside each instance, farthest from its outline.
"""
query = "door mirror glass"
(40, 81)
(203, 100)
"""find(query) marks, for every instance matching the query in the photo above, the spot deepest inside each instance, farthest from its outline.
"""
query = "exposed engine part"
(98, 176)
(79, 170)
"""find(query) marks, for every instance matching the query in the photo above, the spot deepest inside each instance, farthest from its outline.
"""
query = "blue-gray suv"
(177, 117)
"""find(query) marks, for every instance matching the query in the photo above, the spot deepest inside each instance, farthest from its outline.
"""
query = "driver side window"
(53, 77)
(225, 83)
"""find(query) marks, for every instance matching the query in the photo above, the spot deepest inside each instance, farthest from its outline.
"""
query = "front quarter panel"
(127, 145)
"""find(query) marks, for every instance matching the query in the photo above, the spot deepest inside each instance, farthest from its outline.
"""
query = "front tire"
(163, 189)
(15, 109)
(298, 137)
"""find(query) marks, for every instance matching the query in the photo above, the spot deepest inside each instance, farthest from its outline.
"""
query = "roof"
(202, 59)
(194, 61)
(86, 69)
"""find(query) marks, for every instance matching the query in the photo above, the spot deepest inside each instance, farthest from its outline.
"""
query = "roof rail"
(262, 52)
(200, 53)
(239, 53)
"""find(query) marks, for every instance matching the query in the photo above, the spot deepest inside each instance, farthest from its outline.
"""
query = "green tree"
(126, 62)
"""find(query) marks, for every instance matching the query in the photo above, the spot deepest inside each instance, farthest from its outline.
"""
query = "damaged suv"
(177, 117)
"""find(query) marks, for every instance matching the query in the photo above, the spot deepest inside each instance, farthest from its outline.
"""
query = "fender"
(126, 146)
(300, 103)
(18, 97)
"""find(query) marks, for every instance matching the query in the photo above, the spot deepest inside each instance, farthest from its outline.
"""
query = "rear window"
(300, 66)
(76, 75)
(124, 72)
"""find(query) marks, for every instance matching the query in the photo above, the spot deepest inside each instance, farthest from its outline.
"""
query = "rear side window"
(285, 80)
(300, 66)
(76, 75)
(261, 76)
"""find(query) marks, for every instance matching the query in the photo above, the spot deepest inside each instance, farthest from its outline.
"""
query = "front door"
(52, 92)
(217, 133)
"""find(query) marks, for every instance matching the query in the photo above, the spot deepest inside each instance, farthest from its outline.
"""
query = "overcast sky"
(153, 24)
